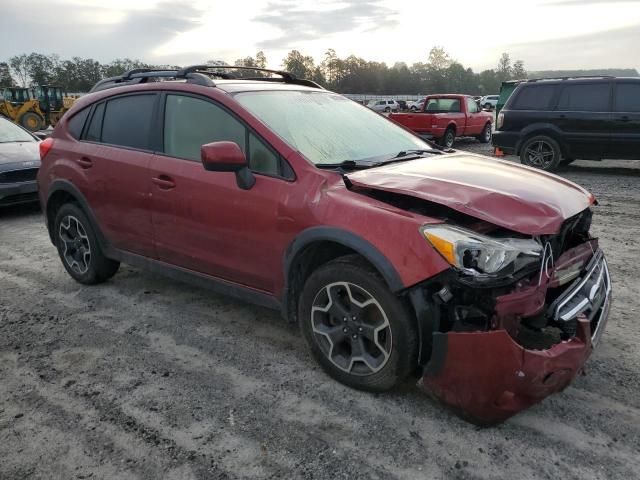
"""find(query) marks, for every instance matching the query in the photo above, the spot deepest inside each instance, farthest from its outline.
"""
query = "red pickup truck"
(445, 117)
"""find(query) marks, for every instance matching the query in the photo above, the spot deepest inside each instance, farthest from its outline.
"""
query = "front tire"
(541, 152)
(360, 333)
(79, 249)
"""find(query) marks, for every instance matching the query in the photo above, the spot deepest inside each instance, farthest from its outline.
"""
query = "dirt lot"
(145, 378)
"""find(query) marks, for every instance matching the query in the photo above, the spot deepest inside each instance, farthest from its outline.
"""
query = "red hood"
(506, 194)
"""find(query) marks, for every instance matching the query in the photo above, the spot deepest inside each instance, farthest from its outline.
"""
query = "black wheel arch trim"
(68, 187)
(544, 129)
(348, 239)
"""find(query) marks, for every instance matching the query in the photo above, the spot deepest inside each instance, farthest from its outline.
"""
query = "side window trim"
(105, 101)
(87, 123)
(84, 124)
(159, 141)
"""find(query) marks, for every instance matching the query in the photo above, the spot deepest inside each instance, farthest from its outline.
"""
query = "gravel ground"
(144, 378)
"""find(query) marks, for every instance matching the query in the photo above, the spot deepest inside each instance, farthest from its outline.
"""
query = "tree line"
(439, 73)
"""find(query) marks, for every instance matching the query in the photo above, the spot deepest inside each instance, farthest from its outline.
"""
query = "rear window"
(127, 121)
(591, 97)
(442, 105)
(534, 97)
(628, 97)
(76, 123)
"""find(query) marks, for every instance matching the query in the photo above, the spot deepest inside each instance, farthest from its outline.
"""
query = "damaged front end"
(494, 344)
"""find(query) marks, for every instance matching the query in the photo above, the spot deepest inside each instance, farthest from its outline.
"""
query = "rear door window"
(534, 97)
(627, 97)
(590, 97)
(127, 121)
(76, 123)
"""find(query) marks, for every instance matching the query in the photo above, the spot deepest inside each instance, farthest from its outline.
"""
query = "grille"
(588, 295)
(18, 176)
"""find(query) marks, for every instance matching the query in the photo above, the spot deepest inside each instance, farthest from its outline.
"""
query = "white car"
(489, 101)
(384, 105)
(417, 105)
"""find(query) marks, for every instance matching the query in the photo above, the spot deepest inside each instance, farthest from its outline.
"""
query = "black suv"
(552, 122)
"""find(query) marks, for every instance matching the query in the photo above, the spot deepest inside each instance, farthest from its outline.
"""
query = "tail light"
(45, 146)
(500, 122)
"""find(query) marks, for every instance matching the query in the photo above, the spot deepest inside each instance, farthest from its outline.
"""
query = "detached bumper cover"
(488, 376)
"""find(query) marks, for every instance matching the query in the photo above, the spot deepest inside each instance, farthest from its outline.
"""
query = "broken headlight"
(477, 254)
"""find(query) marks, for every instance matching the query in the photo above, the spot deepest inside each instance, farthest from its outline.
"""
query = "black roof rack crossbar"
(142, 75)
(205, 68)
(196, 74)
(286, 76)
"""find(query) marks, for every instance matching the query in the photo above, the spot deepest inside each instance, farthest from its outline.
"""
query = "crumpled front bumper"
(488, 377)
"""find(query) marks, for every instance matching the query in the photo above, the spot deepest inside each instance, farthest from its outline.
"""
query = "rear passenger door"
(202, 220)
(625, 135)
(116, 151)
(583, 113)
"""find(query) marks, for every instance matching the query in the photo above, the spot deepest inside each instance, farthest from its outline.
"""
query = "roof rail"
(197, 74)
(572, 77)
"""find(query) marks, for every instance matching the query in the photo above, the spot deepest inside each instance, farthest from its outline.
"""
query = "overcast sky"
(546, 34)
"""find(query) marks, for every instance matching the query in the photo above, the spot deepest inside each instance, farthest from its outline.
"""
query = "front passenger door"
(202, 220)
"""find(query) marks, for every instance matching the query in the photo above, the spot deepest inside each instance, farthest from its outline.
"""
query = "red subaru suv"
(477, 276)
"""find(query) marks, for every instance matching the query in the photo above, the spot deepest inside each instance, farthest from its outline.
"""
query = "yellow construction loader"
(53, 102)
(18, 106)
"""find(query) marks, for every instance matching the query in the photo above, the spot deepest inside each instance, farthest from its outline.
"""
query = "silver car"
(19, 164)
(383, 105)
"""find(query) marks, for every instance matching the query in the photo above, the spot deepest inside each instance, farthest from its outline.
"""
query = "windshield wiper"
(406, 153)
(345, 165)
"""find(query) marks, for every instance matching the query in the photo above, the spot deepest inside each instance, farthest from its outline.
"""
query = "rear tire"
(360, 333)
(449, 138)
(79, 249)
(387, 109)
(485, 136)
(541, 152)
